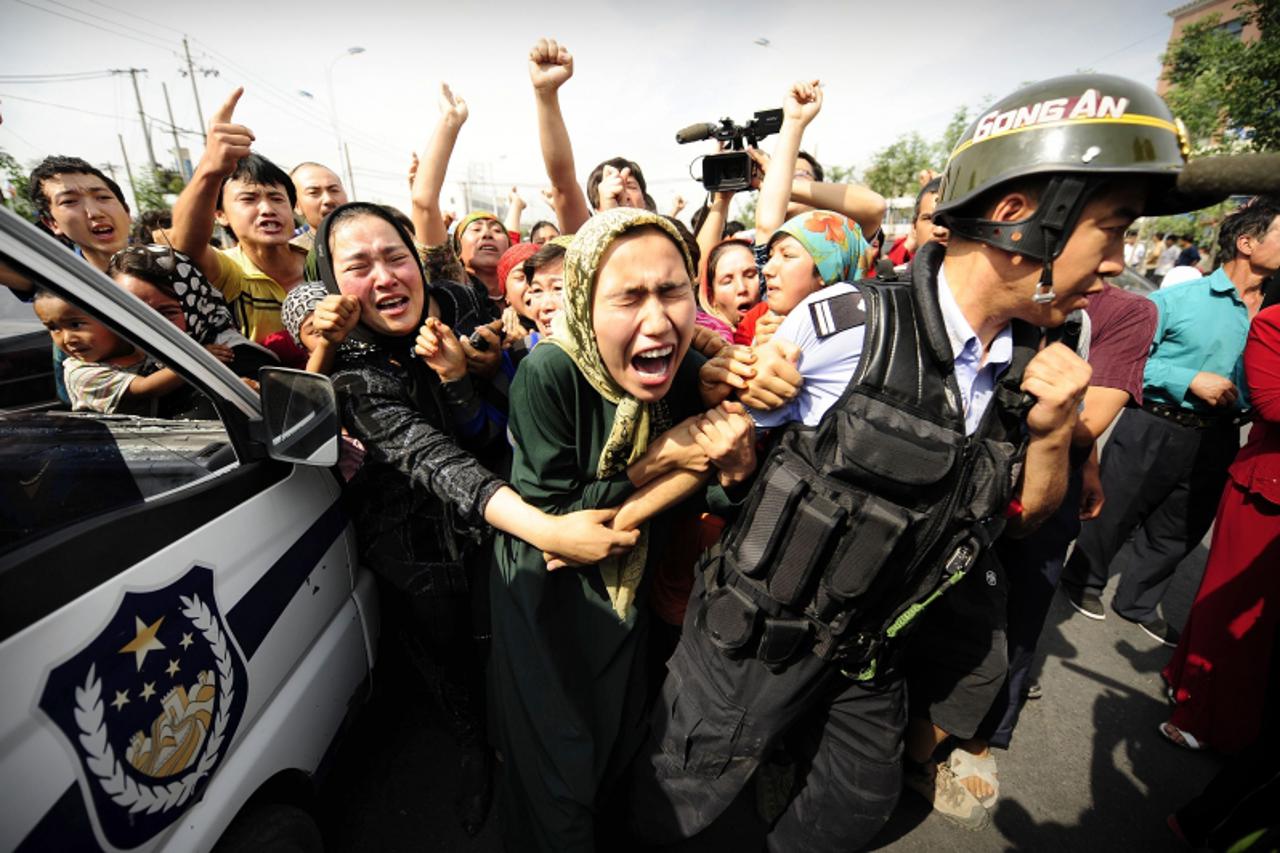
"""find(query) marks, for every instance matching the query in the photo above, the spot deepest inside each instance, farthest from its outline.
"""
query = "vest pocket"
(815, 520)
(763, 519)
(989, 486)
(872, 536)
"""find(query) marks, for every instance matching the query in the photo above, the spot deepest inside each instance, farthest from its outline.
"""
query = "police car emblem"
(150, 706)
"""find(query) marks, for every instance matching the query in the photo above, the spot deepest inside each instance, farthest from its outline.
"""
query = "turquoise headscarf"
(835, 242)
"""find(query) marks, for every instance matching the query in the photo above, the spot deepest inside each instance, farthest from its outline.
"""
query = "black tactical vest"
(854, 526)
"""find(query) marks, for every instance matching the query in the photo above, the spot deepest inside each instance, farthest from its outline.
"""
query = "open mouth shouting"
(269, 227)
(392, 306)
(103, 232)
(654, 366)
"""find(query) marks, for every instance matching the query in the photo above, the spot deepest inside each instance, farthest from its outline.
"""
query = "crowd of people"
(674, 515)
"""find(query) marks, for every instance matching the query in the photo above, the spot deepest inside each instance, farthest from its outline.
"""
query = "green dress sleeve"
(559, 424)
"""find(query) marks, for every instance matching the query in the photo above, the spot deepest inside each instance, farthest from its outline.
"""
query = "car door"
(161, 583)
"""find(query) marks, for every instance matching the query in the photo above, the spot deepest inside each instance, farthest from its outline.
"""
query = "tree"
(19, 202)
(1226, 91)
(152, 187)
(894, 170)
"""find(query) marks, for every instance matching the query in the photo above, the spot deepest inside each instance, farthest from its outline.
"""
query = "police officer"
(929, 421)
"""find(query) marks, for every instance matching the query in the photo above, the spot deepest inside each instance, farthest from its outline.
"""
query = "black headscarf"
(399, 345)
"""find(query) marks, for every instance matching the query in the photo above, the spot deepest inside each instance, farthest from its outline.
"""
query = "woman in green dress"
(607, 415)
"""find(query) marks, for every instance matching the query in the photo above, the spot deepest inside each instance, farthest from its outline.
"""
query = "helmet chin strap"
(1041, 235)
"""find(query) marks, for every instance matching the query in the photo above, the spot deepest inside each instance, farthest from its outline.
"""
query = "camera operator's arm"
(550, 65)
(861, 204)
(428, 223)
(801, 105)
(712, 227)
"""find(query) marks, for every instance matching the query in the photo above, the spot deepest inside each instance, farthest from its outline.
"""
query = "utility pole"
(128, 171)
(177, 146)
(142, 116)
(351, 180)
(191, 72)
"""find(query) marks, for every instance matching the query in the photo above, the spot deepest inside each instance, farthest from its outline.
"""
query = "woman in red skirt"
(1218, 674)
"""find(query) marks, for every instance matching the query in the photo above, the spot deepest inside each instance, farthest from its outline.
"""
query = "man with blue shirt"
(1165, 465)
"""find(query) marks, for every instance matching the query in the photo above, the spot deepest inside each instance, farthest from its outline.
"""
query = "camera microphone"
(696, 132)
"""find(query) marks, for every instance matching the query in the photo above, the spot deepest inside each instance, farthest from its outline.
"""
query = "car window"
(60, 466)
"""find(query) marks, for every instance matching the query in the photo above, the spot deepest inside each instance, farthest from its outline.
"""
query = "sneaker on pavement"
(1086, 601)
(1034, 691)
(949, 798)
(1159, 630)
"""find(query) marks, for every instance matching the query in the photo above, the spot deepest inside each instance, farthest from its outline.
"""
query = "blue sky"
(642, 71)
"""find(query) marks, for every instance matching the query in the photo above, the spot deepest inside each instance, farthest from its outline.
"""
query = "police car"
(184, 627)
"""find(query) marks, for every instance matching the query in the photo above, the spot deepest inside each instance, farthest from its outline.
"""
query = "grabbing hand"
(727, 435)
(453, 109)
(227, 143)
(584, 538)
(485, 363)
(777, 380)
(438, 346)
(803, 101)
(1057, 378)
(335, 317)
(707, 342)
(677, 205)
(1214, 389)
(729, 371)
(676, 448)
(514, 201)
(766, 324)
(549, 197)
(550, 65)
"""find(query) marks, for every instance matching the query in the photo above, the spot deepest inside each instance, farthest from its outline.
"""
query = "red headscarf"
(512, 258)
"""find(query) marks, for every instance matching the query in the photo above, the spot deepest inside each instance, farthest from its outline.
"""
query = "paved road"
(1087, 769)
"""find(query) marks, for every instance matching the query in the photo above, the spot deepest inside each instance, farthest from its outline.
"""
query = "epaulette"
(837, 313)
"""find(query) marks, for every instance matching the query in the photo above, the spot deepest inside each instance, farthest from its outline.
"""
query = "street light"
(343, 157)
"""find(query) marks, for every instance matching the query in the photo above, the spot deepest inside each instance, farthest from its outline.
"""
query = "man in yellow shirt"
(253, 197)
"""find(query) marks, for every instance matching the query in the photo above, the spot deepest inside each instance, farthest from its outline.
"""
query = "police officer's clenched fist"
(1057, 378)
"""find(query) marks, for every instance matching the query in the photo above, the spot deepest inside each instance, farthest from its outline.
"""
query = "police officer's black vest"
(854, 526)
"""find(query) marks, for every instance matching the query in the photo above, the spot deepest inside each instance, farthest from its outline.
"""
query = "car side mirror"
(300, 413)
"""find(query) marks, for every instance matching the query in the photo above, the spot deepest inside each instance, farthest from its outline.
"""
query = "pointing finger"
(223, 114)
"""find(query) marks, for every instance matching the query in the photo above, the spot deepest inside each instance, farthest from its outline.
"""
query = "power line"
(72, 77)
(115, 116)
(137, 17)
(114, 32)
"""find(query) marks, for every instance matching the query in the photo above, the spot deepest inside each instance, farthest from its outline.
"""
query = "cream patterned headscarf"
(573, 332)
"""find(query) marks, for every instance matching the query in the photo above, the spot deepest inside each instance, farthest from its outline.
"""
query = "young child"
(105, 373)
(297, 315)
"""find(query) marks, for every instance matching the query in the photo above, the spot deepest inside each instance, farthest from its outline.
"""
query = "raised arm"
(193, 212)
(428, 223)
(861, 204)
(709, 232)
(550, 65)
(798, 109)
(515, 209)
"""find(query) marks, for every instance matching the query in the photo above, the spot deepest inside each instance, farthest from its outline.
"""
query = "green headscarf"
(573, 332)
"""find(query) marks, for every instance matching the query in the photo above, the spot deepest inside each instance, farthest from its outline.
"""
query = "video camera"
(730, 171)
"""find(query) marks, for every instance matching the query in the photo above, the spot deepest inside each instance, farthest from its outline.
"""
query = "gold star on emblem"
(173, 668)
(148, 689)
(122, 699)
(145, 641)
(186, 641)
